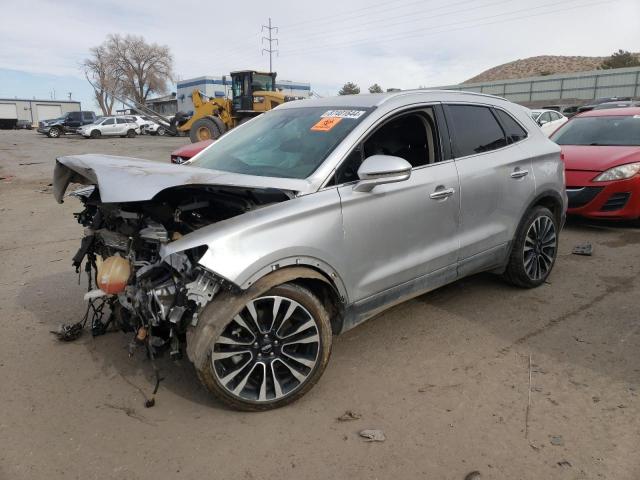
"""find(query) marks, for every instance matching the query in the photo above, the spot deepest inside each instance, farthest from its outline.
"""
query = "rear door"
(495, 181)
(122, 125)
(398, 234)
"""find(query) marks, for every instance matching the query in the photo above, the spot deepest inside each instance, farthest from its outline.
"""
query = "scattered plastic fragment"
(373, 435)
(583, 249)
(557, 440)
(349, 415)
(475, 475)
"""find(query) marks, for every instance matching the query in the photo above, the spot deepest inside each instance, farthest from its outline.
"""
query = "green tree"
(375, 88)
(621, 59)
(349, 88)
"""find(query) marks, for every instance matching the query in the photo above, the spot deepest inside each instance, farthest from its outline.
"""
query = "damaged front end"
(153, 296)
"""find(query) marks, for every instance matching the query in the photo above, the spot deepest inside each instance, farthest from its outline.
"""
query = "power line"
(414, 16)
(271, 40)
(345, 16)
(425, 32)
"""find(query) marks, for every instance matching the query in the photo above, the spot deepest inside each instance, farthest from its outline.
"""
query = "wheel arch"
(550, 199)
(226, 304)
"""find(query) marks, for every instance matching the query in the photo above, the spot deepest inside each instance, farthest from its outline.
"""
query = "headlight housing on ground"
(620, 172)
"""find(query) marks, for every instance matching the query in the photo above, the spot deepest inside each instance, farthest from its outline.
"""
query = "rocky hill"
(536, 66)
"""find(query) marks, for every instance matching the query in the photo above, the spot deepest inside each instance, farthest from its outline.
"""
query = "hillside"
(535, 66)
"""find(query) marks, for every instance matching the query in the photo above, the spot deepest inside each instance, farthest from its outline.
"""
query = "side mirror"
(381, 169)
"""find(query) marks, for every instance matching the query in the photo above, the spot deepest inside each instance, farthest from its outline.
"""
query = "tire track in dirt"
(614, 284)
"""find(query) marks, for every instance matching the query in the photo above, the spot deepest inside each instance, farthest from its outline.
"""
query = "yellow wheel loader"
(252, 94)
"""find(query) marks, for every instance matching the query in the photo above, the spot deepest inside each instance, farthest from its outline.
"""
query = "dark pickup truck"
(68, 123)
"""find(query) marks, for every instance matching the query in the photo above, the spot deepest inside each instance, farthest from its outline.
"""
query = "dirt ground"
(446, 376)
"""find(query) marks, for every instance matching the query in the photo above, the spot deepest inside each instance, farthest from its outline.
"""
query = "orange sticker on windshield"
(326, 124)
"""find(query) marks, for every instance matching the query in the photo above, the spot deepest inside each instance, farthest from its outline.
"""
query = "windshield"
(613, 130)
(290, 143)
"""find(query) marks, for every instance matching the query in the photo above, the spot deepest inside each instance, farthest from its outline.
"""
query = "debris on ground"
(564, 463)
(557, 440)
(583, 249)
(349, 415)
(475, 475)
(373, 435)
(68, 332)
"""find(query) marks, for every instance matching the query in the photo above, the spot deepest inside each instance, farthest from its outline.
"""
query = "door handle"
(442, 194)
(517, 173)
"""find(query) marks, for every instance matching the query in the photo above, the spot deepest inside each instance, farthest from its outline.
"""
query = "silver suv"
(309, 219)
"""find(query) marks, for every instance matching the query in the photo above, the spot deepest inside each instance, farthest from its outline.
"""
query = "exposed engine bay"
(155, 298)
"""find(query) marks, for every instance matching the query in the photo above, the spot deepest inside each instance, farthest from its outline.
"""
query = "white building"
(221, 87)
(14, 109)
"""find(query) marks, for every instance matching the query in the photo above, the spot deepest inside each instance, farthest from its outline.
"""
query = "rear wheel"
(204, 129)
(534, 250)
(131, 133)
(271, 352)
(161, 131)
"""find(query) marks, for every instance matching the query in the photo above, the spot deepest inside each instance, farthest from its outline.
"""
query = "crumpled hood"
(597, 158)
(126, 179)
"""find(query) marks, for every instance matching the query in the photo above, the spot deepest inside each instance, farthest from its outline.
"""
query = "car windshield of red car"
(600, 131)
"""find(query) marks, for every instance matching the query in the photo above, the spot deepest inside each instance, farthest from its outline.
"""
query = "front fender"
(304, 231)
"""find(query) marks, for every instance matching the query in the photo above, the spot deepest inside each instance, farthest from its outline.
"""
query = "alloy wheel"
(267, 351)
(540, 247)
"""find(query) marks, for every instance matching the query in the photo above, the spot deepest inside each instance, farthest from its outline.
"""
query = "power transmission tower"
(271, 41)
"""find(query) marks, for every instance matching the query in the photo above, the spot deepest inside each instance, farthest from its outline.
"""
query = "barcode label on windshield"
(343, 113)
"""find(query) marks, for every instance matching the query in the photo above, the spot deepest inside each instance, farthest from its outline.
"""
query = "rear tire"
(131, 133)
(161, 131)
(204, 129)
(270, 378)
(534, 250)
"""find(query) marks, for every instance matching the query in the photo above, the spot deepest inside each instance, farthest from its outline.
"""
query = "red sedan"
(601, 153)
(185, 153)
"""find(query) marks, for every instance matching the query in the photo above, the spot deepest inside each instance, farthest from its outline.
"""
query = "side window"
(511, 128)
(555, 116)
(87, 116)
(411, 136)
(475, 130)
(74, 116)
(109, 121)
(545, 117)
(120, 121)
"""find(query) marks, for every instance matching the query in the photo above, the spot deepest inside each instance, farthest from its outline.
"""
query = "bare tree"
(99, 70)
(142, 67)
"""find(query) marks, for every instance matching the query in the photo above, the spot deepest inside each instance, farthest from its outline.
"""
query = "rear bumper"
(617, 200)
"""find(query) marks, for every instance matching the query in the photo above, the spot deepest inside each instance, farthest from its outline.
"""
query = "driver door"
(401, 238)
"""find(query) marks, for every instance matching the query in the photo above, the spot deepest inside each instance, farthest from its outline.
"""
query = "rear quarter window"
(512, 129)
(475, 130)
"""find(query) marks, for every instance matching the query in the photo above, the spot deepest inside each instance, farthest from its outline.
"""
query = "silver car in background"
(310, 219)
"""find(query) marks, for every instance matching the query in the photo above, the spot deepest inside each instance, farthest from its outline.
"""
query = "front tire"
(161, 131)
(95, 134)
(204, 129)
(54, 132)
(534, 250)
(271, 352)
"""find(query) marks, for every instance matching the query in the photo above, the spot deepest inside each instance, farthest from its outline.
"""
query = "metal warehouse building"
(221, 86)
(33, 111)
(568, 88)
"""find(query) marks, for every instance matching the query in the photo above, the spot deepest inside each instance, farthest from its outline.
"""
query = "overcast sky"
(401, 43)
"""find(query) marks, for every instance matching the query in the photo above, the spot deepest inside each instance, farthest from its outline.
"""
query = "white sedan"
(549, 120)
(110, 126)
